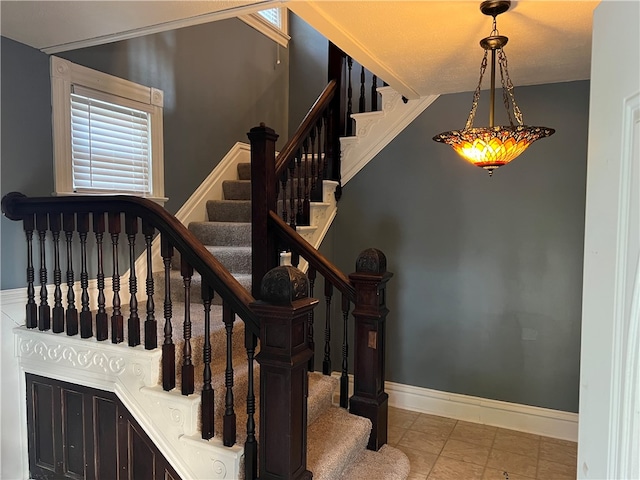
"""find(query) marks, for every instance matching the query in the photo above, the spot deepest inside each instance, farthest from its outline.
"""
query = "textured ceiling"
(418, 47)
(59, 25)
(427, 47)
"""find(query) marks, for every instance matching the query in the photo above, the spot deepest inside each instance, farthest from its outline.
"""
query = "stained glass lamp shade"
(494, 146)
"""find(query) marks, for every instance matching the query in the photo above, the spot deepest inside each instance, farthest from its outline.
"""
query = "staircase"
(337, 440)
(194, 382)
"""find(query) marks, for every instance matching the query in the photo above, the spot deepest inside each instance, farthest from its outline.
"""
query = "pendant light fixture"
(494, 146)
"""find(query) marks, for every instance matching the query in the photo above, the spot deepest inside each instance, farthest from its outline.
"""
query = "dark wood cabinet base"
(78, 432)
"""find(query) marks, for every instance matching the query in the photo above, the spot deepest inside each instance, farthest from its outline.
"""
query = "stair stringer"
(132, 373)
(375, 130)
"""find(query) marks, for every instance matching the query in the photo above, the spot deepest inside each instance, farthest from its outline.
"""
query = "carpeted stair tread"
(235, 259)
(321, 388)
(236, 189)
(222, 233)
(229, 210)
(334, 441)
(388, 463)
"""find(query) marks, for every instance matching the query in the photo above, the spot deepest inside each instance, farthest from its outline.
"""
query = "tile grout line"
(538, 459)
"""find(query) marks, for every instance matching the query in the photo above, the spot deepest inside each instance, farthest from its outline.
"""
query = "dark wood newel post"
(370, 313)
(263, 198)
(284, 354)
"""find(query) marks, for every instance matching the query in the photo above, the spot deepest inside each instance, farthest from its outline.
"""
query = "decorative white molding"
(624, 438)
(374, 130)
(133, 375)
(231, 12)
(85, 361)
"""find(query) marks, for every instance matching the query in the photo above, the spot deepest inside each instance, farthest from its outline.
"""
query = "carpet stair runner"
(336, 439)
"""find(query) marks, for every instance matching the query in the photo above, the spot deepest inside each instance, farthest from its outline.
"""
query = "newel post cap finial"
(371, 260)
(262, 129)
(284, 285)
(8, 204)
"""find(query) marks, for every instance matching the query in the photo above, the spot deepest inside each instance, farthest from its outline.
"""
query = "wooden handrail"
(314, 114)
(318, 261)
(17, 206)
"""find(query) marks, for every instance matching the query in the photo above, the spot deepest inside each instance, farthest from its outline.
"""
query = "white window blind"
(272, 15)
(111, 146)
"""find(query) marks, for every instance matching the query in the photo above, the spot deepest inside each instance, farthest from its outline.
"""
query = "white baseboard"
(514, 416)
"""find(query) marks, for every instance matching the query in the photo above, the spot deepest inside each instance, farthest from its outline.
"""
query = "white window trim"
(64, 75)
(278, 35)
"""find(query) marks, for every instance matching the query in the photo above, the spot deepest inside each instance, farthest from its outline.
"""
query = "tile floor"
(441, 448)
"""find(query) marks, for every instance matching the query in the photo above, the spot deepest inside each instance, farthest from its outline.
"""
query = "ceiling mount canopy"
(494, 146)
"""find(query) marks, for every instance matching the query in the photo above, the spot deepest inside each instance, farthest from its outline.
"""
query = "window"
(272, 22)
(107, 134)
(273, 16)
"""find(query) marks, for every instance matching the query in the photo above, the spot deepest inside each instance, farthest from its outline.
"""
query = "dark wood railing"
(76, 216)
(287, 181)
(282, 190)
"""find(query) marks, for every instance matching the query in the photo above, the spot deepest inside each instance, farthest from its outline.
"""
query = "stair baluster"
(86, 321)
(251, 444)
(316, 167)
(326, 362)
(313, 134)
(58, 309)
(374, 93)
(229, 420)
(44, 312)
(292, 194)
(344, 377)
(68, 224)
(362, 107)
(102, 329)
(349, 120)
(283, 182)
(187, 372)
(31, 307)
(150, 324)
(168, 347)
(311, 275)
(299, 198)
(133, 325)
(306, 203)
(117, 320)
(207, 398)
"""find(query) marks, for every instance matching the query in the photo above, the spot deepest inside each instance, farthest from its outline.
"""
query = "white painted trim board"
(512, 416)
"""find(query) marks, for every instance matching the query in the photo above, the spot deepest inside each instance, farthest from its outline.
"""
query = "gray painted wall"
(308, 54)
(26, 148)
(486, 296)
(219, 80)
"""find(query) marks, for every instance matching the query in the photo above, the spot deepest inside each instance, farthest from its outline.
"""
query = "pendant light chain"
(476, 94)
(502, 61)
